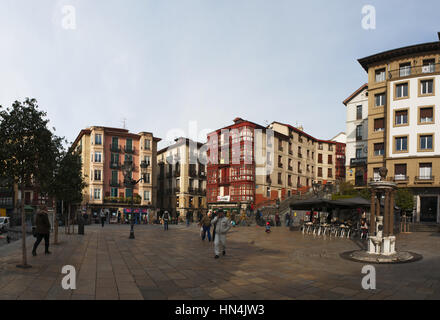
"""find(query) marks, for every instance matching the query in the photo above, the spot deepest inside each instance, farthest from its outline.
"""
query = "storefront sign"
(224, 198)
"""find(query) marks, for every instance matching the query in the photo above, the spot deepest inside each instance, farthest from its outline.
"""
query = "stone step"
(426, 228)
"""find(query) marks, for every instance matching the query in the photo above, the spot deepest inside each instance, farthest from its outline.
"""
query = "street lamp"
(127, 169)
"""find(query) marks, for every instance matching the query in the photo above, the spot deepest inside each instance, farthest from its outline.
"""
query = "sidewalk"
(178, 265)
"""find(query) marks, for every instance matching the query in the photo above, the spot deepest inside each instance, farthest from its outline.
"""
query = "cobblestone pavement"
(177, 265)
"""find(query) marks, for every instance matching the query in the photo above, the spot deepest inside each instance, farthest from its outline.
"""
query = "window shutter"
(400, 169)
(379, 124)
(426, 113)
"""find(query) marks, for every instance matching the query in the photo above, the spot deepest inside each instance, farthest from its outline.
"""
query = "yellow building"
(182, 179)
(403, 122)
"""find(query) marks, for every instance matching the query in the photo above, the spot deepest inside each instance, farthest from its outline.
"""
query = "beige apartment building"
(182, 179)
(404, 122)
(103, 152)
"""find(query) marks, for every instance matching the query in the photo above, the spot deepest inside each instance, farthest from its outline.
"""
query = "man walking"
(166, 218)
(206, 225)
(102, 215)
(42, 230)
(221, 227)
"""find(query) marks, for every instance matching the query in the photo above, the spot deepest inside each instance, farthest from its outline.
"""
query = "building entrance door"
(428, 209)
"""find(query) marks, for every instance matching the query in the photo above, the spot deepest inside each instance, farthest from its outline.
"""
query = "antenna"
(124, 125)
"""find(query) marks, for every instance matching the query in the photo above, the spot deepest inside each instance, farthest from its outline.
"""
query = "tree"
(68, 181)
(29, 151)
(405, 200)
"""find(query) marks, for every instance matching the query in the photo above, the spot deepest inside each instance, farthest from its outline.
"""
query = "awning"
(318, 203)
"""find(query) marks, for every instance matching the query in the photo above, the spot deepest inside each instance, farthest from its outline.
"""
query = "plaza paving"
(178, 265)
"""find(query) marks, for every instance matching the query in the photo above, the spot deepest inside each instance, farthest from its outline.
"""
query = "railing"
(290, 168)
(114, 183)
(223, 180)
(191, 189)
(359, 138)
(291, 152)
(413, 70)
(358, 162)
(129, 150)
(280, 165)
(300, 155)
(424, 179)
(401, 179)
(115, 165)
(115, 148)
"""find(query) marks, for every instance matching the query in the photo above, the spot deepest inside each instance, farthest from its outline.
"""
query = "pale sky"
(163, 63)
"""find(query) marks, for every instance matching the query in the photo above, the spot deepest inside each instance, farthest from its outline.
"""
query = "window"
(405, 69)
(379, 99)
(128, 193)
(114, 192)
(427, 87)
(114, 176)
(376, 174)
(147, 178)
(426, 115)
(400, 172)
(147, 160)
(280, 161)
(425, 171)
(425, 142)
(115, 158)
(98, 139)
(129, 145)
(358, 153)
(320, 172)
(97, 175)
(402, 90)
(330, 173)
(401, 117)
(379, 125)
(359, 133)
(147, 144)
(359, 113)
(401, 144)
(147, 195)
(330, 159)
(379, 149)
(280, 180)
(115, 142)
(330, 147)
(97, 194)
(98, 157)
(428, 66)
(268, 192)
(319, 157)
(380, 75)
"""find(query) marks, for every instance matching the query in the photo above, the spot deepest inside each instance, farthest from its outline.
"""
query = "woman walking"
(42, 231)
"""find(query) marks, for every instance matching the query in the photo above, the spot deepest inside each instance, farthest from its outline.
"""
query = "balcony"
(358, 162)
(115, 165)
(300, 155)
(191, 189)
(291, 152)
(359, 138)
(223, 180)
(401, 179)
(413, 71)
(290, 168)
(115, 148)
(280, 165)
(130, 150)
(268, 180)
(300, 171)
(424, 179)
(201, 191)
(114, 183)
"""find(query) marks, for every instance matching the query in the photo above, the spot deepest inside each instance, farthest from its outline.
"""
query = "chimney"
(238, 120)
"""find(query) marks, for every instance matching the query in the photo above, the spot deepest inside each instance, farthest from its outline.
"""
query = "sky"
(166, 66)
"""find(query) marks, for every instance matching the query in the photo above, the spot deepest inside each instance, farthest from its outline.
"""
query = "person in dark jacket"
(42, 231)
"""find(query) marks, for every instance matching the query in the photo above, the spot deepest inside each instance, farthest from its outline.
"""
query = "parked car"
(4, 223)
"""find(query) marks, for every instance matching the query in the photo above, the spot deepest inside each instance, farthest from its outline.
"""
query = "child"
(267, 227)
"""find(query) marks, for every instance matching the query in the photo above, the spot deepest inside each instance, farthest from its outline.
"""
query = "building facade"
(103, 152)
(404, 122)
(182, 179)
(357, 137)
(250, 165)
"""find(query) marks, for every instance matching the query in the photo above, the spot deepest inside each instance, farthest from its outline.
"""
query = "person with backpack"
(221, 227)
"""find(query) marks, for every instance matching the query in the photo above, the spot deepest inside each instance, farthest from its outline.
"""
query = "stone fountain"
(382, 241)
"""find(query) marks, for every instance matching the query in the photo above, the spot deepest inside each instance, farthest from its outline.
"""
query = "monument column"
(391, 220)
(386, 214)
(373, 212)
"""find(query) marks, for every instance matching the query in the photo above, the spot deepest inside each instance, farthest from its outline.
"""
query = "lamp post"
(130, 183)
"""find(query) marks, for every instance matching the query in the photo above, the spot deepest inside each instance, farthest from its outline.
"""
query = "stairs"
(269, 211)
(426, 227)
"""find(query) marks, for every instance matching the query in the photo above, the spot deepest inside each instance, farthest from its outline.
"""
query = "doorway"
(428, 209)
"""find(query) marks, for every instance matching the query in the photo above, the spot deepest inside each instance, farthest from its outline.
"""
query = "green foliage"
(405, 199)
(347, 191)
(29, 150)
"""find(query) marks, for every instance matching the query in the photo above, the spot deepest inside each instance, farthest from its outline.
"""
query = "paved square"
(177, 265)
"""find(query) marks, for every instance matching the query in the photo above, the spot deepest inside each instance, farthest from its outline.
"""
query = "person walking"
(288, 219)
(42, 231)
(221, 227)
(102, 215)
(187, 218)
(165, 218)
(205, 222)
